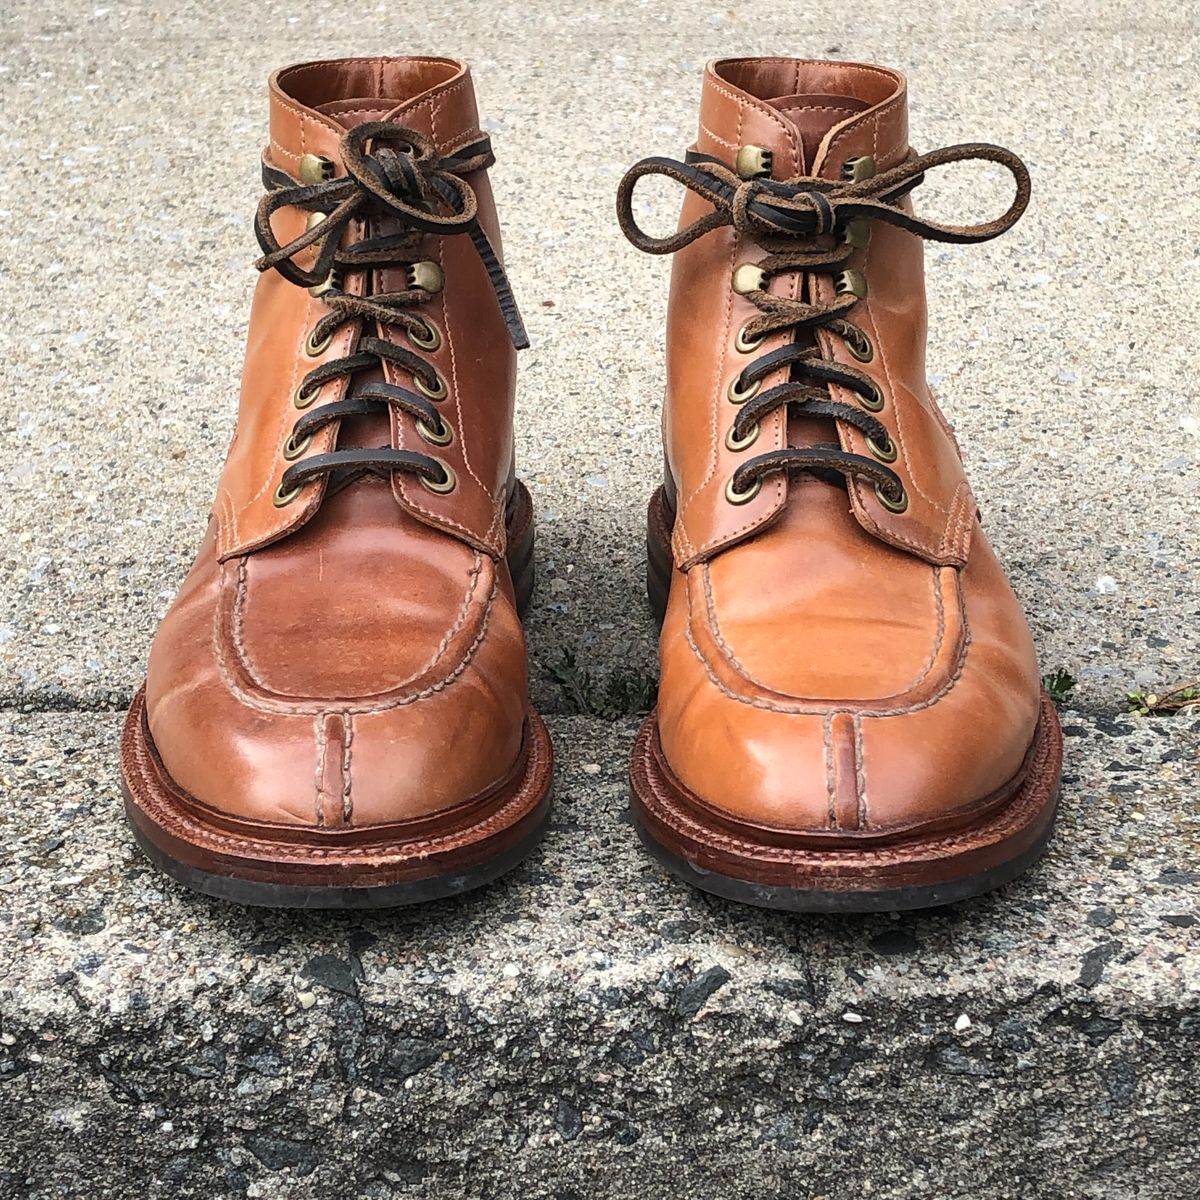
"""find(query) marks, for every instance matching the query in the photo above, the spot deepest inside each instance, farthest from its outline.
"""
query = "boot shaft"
(848, 715)
(770, 120)
(336, 705)
(469, 352)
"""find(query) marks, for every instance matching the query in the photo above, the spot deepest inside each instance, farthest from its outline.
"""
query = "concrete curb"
(589, 1027)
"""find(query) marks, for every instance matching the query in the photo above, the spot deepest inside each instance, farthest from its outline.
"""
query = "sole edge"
(1029, 839)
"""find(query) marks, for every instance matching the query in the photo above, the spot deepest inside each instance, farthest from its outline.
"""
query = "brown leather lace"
(392, 173)
(806, 223)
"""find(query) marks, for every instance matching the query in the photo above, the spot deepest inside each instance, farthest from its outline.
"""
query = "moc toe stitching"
(235, 636)
(727, 651)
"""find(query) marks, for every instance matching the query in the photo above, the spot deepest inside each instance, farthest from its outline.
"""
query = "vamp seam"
(247, 663)
(900, 693)
(223, 652)
(798, 707)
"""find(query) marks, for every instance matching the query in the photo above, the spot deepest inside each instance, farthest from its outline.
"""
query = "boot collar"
(810, 115)
(313, 104)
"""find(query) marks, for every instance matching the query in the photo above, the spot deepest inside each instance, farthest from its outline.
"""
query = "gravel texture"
(588, 1027)
(1062, 351)
(591, 1028)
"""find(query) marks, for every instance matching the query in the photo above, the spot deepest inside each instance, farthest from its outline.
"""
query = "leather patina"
(842, 684)
(337, 700)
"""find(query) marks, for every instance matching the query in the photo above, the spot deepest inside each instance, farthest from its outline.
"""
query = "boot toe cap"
(425, 744)
(860, 774)
(858, 769)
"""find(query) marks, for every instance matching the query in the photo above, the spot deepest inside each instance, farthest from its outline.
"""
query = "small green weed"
(610, 695)
(1180, 698)
(1059, 685)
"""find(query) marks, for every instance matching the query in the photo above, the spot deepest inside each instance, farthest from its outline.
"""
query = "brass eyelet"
(897, 505)
(305, 395)
(435, 437)
(429, 341)
(748, 278)
(448, 484)
(315, 168)
(872, 403)
(753, 161)
(292, 449)
(428, 276)
(857, 233)
(319, 289)
(747, 345)
(858, 168)
(330, 281)
(736, 497)
(736, 444)
(886, 451)
(851, 283)
(314, 348)
(860, 346)
(437, 392)
(284, 497)
(739, 395)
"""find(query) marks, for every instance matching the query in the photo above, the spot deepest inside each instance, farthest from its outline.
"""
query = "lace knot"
(402, 176)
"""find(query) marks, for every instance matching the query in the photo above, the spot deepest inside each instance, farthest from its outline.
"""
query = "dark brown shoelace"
(811, 225)
(391, 172)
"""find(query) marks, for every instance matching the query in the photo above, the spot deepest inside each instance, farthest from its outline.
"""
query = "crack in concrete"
(38, 703)
(45, 703)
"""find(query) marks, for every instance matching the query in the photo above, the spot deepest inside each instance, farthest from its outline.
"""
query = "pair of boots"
(850, 716)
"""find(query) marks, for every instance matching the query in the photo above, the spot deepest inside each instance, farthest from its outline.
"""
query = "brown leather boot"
(850, 715)
(335, 712)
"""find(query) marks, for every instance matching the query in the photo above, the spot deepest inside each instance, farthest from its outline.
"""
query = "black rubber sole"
(396, 895)
(763, 895)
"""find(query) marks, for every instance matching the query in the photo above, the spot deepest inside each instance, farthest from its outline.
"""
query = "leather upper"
(354, 658)
(311, 107)
(829, 667)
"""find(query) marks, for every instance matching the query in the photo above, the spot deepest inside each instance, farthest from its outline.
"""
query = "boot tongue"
(352, 112)
(813, 115)
(375, 429)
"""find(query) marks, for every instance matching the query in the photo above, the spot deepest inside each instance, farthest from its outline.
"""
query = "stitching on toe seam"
(860, 772)
(300, 709)
(319, 720)
(347, 738)
(810, 711)
(830, 786)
